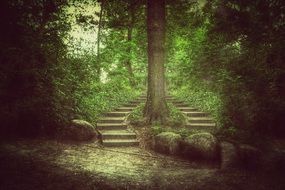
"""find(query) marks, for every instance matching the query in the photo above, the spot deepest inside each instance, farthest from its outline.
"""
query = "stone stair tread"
(118, 136)
(118, 132)
(110, 124)
(120, 142)
(111, 118)
(116, 114)
(119, 112)
(201, 124)
(113, 127)
(200, 118)
(189, 112)
(125, 107)
(186, 108)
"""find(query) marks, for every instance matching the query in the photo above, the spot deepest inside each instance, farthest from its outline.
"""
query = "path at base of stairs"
(42, 164)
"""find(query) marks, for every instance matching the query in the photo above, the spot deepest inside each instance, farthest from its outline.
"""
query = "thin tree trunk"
(156, 110)
(129, 50)
(98, 68)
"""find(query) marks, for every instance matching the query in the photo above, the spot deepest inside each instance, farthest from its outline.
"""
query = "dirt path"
(42, 164)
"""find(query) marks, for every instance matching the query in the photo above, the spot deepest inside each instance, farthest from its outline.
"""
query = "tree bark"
(156, 110)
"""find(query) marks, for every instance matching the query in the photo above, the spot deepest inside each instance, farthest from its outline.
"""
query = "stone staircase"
(196, 120)
(114, 129)
(113, 126)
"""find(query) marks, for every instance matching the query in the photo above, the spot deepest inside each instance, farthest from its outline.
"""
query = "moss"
(182, 131)
(156, 129)
(168, 142)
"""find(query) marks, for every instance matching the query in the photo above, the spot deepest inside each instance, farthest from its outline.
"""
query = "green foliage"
(137, 113)
(230, 65)
(199, 95)
(104, 98)
(176, 118)
(156, 129)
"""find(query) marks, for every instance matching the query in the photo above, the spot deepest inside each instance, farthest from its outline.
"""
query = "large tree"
(156, 108)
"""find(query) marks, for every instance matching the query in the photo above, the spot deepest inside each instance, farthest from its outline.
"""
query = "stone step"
(196, 114)
(111, 120)
(123, 109)
(186, 109)
(200, 125)
(200, 120)
(116, 114)
(111, 126)
(118, 134)
(120, 142)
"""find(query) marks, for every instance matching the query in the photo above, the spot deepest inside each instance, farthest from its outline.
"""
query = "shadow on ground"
(43, 164)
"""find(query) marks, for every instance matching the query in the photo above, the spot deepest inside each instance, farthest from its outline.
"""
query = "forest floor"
(46, 164)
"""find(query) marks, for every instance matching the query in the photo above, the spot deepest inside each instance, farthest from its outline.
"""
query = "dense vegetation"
(231, 63)
(225, 57)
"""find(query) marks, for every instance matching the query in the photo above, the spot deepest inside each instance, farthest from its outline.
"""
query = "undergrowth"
(176, 121)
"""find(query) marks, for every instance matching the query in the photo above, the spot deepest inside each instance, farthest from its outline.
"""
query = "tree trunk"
(98, 67)
(129, 50)
(156, 110)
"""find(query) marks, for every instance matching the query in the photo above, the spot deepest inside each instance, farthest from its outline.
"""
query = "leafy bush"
(102, 98)
(137, 113)
(176, 118)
